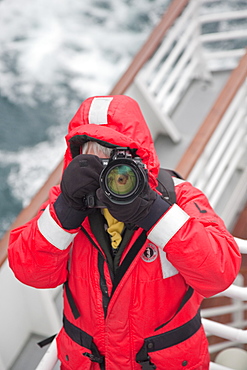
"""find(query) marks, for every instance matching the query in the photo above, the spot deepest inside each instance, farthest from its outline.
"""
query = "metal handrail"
(212, 120)
(224, 331)
(238, 14)
(242, 243)
(174, 10)
(184, 54)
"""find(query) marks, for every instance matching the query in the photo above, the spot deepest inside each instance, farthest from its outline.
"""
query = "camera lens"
(121, 180)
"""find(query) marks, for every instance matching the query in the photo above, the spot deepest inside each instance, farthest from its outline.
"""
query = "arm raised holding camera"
(193, 236)
(51, 232)
(80, 179)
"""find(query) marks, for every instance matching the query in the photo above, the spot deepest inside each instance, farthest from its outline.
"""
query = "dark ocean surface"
(53, 55)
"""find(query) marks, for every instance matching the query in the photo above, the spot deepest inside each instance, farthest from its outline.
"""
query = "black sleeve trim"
(157, 209)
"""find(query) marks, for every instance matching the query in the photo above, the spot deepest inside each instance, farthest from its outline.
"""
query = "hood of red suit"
(112, 121)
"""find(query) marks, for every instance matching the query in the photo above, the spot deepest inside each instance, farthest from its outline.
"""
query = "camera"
(122, 179)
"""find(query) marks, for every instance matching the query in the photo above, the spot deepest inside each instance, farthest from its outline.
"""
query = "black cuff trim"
(157, 209)
(69, 217)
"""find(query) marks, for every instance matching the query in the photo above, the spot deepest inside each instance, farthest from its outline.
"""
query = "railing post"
(202, 72)
(238, 315)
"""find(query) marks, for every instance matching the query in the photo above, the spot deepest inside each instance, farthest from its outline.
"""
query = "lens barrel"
(123, 180)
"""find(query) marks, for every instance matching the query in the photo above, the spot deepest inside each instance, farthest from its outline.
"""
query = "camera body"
(122, 179)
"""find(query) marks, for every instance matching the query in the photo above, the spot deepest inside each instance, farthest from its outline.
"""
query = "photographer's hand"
(144, 211)
(80, 178)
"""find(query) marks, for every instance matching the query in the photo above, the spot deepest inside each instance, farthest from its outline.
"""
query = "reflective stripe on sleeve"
(55, 235)
(168, 226)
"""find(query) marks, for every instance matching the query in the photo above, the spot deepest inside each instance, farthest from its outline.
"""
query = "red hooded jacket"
(146, 314)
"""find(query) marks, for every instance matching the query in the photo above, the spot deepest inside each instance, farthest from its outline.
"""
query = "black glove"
(80, 178)
(144, 211)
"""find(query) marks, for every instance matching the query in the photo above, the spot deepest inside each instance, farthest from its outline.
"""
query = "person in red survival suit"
(134, 274)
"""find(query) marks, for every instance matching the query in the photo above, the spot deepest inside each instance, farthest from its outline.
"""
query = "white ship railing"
(221, 170)
(185, 54)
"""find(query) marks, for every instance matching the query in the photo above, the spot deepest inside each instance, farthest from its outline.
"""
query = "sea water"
(53, 55)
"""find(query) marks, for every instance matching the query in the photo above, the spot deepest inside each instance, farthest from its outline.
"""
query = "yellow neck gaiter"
(115, 228)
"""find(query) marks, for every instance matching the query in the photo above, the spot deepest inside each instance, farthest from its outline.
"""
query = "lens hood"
(123, 179)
